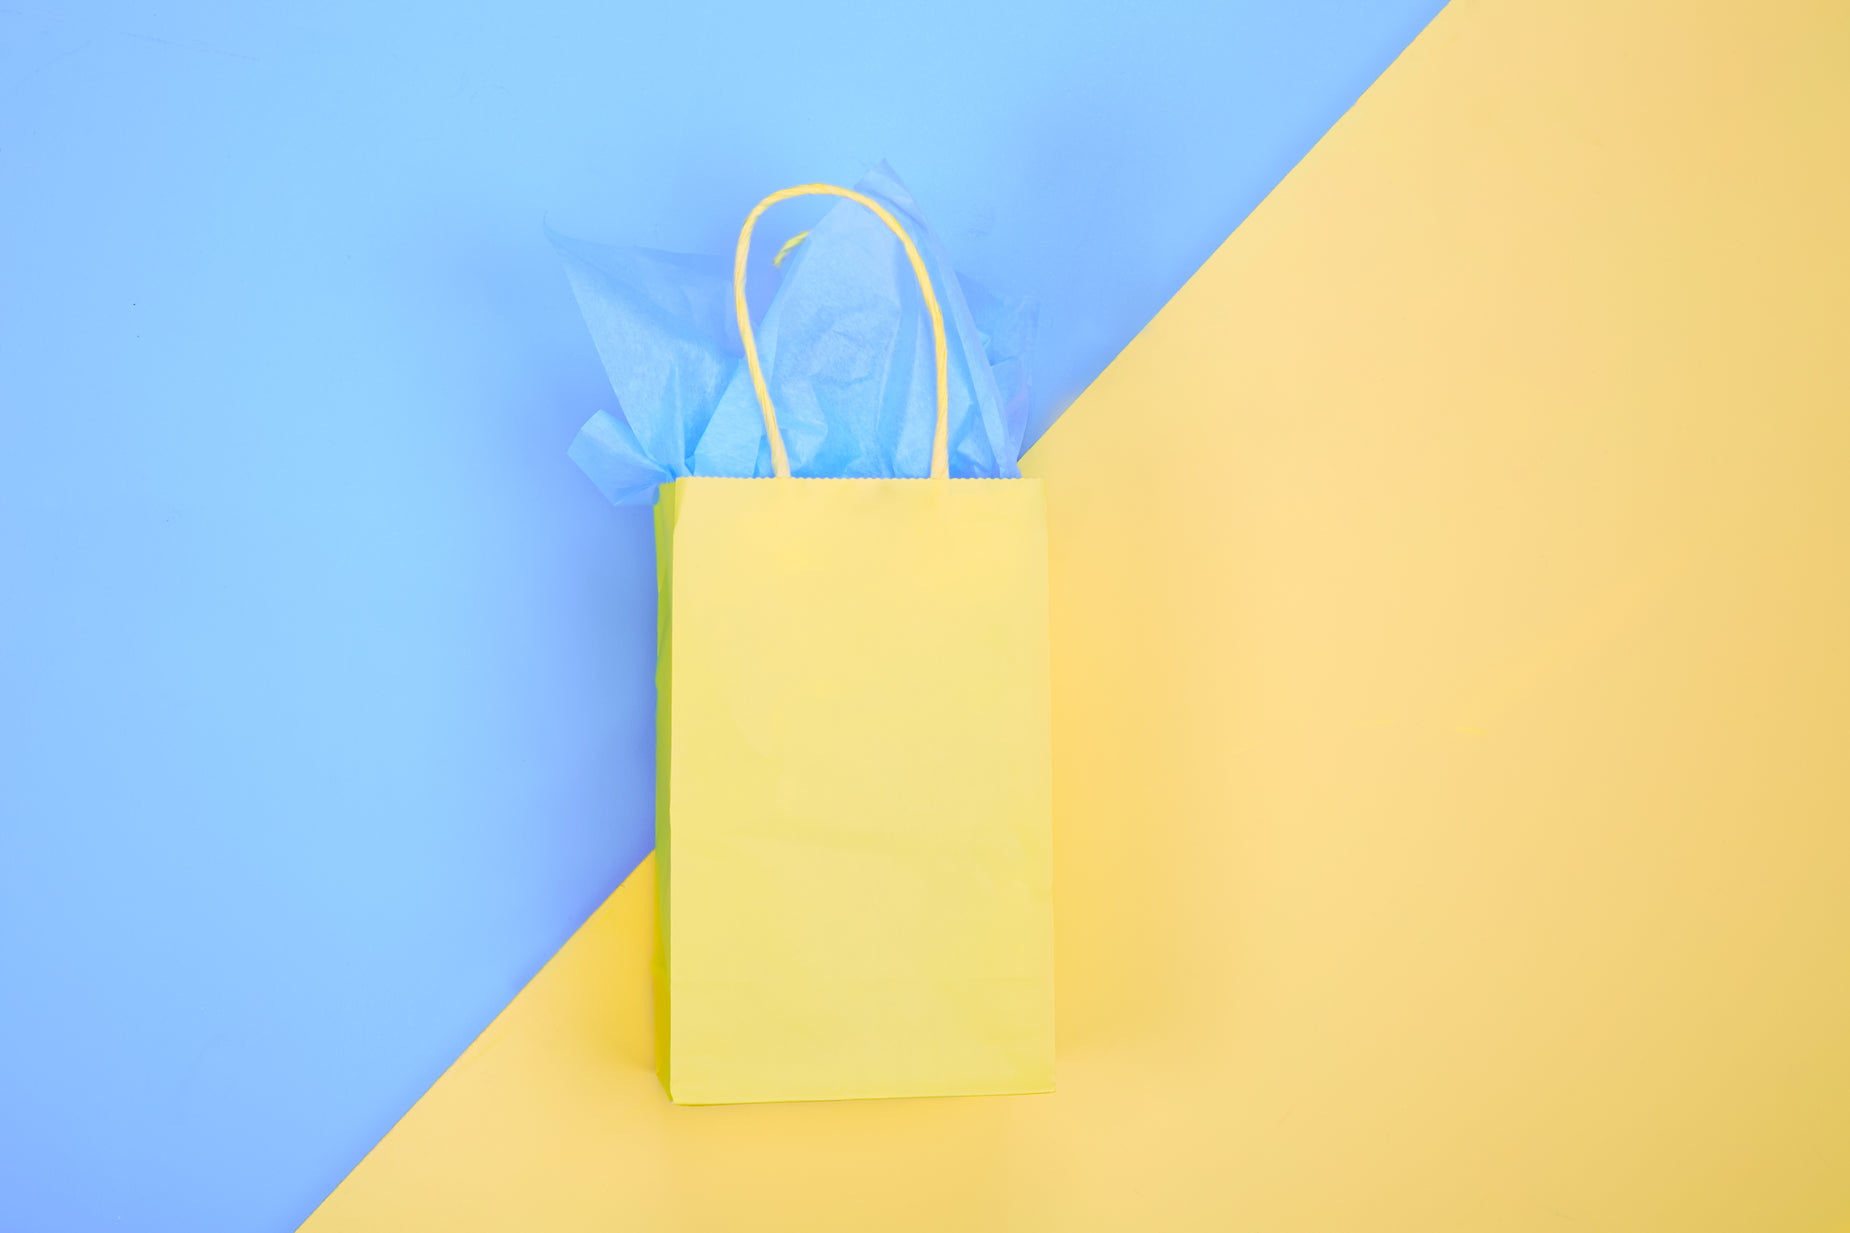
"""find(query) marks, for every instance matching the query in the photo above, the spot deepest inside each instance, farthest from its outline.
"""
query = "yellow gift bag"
(854, 844)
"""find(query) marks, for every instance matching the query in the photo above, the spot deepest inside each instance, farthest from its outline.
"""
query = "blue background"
(325, 697)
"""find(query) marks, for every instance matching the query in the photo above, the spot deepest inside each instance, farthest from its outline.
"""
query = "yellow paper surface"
(1450, 703)
(856, 833)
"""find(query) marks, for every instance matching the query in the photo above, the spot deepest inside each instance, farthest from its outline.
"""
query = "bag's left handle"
(780, 461)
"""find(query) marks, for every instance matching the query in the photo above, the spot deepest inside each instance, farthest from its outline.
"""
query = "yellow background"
(1451, 599)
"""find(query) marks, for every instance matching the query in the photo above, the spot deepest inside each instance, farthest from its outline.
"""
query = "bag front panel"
(858, 797)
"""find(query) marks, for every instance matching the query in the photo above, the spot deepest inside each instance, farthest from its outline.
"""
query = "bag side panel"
(665, 507)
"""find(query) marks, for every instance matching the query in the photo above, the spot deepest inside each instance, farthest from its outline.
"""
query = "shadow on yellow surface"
(1452, 698)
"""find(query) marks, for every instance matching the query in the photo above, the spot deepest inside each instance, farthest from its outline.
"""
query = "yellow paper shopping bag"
(854, 819)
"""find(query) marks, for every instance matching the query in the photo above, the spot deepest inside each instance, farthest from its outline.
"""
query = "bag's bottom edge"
(709, 1102)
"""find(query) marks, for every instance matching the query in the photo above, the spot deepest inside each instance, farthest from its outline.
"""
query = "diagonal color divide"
(1450, 697)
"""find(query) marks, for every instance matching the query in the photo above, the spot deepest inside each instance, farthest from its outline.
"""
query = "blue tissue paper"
(845, 346)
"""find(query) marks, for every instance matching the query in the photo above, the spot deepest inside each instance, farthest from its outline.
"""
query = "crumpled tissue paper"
(845, 346)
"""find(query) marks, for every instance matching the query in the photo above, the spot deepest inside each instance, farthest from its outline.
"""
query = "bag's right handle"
(780, 461)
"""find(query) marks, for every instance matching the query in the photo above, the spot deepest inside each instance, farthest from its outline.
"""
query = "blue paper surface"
(846, 349)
